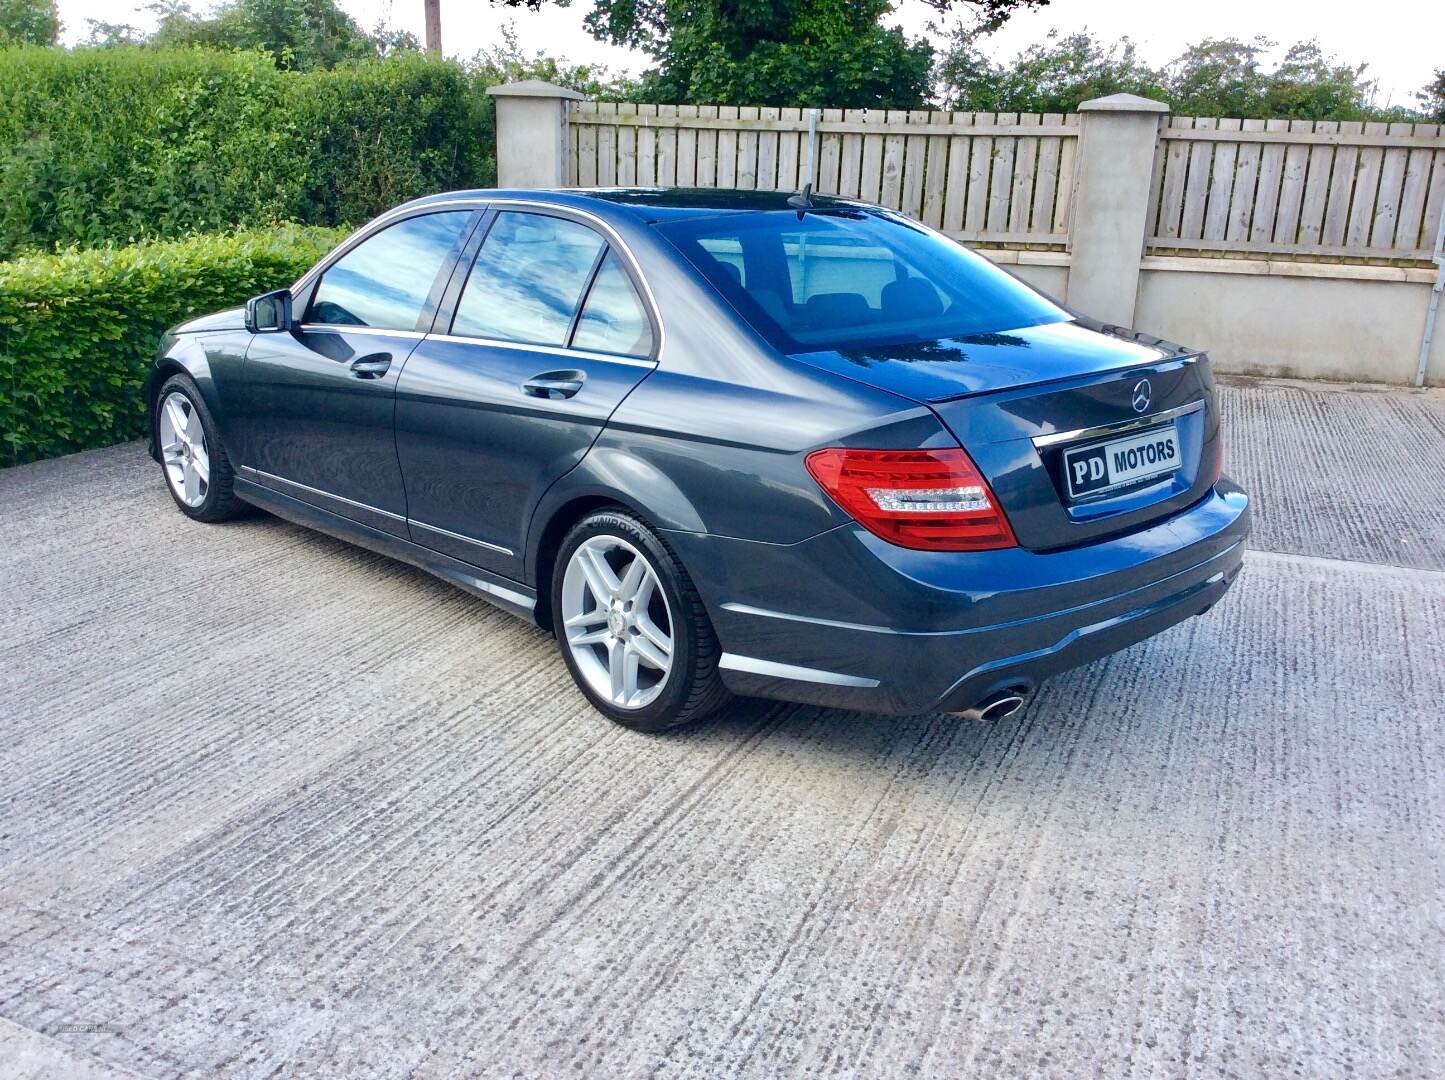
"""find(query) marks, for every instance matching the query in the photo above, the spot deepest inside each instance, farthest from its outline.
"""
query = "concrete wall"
(1045, 270)
(1289, 319)
(1313, 321)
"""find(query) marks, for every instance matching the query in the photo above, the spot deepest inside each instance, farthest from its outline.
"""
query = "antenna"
(803, 200)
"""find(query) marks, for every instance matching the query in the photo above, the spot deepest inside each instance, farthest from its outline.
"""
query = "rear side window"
(384, 281)
(528, 280)
(851, 278)
(613, 318)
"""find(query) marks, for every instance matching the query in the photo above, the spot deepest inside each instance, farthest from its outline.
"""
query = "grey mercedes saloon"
(719, 443)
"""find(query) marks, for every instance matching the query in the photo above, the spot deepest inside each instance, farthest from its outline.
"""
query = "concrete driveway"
(272, 805)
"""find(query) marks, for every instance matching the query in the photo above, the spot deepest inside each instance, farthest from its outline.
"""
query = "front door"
(545, 339)
(319, 412)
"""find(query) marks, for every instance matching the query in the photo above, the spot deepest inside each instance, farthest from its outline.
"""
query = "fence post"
(1108, 221)
(532, 134)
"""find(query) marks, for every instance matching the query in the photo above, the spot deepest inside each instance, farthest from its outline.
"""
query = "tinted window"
(849, 278)
(384, 280)
(613, 318)
(528, 280)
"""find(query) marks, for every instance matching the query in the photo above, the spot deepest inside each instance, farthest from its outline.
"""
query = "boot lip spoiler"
(1165, 363)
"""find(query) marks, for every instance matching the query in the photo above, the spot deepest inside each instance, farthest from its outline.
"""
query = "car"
(721, 443)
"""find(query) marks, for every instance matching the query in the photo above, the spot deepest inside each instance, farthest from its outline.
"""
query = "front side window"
(613, 318)
(384, 281)
(836, 279)
(528, 280)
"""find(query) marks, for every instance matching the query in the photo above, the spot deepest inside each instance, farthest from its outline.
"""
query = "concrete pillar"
(532, 134)
(1112, 172)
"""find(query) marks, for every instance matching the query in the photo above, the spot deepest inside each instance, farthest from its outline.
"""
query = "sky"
(1403, 41)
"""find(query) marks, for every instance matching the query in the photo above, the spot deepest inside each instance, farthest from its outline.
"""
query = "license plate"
(1121, 462)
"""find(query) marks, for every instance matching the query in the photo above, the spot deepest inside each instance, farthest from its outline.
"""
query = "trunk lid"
(930, 371)
(1025, 402)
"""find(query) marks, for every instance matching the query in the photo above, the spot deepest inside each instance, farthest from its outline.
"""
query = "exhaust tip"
(999, 705)
(1002, 708)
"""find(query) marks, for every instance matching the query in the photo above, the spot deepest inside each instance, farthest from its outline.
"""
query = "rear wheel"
(631, 626)
(198, 473)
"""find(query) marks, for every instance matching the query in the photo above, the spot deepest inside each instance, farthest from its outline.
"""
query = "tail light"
(1218, 455)
(932, 500)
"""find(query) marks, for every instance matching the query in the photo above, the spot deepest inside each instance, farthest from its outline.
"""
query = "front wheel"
(198, 473)
(631, 626)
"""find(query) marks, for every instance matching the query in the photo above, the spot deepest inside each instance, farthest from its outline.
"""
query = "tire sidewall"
(180, 384)
(659, 713)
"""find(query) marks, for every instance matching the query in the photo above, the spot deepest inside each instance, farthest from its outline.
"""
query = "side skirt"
(505, 593)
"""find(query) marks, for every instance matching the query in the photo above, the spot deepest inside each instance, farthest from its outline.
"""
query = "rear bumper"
(847, 620)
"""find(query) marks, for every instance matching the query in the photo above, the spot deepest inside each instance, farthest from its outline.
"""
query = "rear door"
(319, 402)
(536, 346)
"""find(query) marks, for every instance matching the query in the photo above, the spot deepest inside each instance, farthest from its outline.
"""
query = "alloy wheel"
(183, 449)
(616, 621)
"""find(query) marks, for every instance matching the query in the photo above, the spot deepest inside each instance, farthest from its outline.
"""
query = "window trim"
(445, 318)
(434, 293)
(587, 295)
(346, 328)
(455, 296)
(484, 205)
(303, 285)
(555, 350)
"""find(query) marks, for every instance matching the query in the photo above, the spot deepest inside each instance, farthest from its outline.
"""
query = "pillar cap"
(534, 88)
(1123, 103)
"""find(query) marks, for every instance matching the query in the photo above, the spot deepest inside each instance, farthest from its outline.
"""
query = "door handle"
(373, 366)
(554, 385)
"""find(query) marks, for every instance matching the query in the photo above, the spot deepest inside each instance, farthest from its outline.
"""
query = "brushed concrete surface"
(1342, 471)
(270, 805)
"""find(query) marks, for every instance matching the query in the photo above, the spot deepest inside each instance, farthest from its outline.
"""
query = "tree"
(1054, 75)
(1214, 77)
(389, 41)
(29, 22)
(769, 52)
(299, 34)
(778, 52)
(1312, 85)
(507, 62)
(1432, 98)
(103, 34)
(1220, 77)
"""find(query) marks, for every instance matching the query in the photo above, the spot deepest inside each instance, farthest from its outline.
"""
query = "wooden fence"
(1249, 187)
(1297, 187)
(987, 178)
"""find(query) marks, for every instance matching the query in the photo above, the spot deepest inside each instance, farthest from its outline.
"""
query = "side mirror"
(270, 312)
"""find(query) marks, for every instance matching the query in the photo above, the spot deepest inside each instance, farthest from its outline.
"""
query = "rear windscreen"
(844, 278)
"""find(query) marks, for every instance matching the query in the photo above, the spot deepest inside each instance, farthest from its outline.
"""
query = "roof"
(658, 203)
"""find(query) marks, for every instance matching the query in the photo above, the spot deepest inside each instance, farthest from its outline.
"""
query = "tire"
(632, 625)
(195, 467)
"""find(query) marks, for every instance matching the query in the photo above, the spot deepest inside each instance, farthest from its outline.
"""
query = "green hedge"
(78, 330)
(118, 144)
